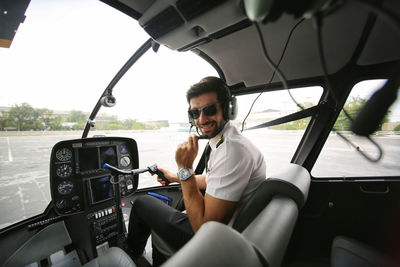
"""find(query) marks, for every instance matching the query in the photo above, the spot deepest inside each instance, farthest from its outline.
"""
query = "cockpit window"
(57, 67)
(339, 158)
(277, 143)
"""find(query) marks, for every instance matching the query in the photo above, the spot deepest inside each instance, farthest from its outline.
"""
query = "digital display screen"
(88, 159)
(101, 189)
(108, 155)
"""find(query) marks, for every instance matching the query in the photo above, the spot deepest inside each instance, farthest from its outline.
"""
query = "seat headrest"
(293, 182)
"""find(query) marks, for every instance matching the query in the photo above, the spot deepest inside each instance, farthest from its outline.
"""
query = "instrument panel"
(78, 181)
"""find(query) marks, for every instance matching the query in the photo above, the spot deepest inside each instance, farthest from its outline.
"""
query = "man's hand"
(171, 177)
(187, 152)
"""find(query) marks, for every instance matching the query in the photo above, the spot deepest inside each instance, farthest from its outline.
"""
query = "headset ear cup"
(232, 109)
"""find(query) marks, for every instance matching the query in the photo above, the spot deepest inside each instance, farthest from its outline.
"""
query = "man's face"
(209, 125)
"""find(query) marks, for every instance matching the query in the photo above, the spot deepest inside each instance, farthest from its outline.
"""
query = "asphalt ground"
(24, 161)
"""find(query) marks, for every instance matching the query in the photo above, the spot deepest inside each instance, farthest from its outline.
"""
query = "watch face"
(184, 174)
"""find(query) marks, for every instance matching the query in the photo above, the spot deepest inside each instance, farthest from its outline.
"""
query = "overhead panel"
(186, 23)
(12, 13)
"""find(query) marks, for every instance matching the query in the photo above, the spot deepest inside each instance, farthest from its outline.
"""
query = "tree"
(45, 116)
(4, 121)
(128, 124)
(80, 125)
(76, 116)
(138, 126)
(24, 117)
(114, 126)
(55, 123)
(79, 118)
(353, 107)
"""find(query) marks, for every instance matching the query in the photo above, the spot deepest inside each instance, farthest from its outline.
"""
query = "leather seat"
(261, 231)
(215, 244)
(114, 256)
(347, 252)
(293, 181)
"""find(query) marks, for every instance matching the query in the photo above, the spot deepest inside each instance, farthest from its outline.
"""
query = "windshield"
(61, 60)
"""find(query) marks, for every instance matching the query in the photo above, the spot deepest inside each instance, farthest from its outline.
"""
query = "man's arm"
(203, 209)
(173, 178)
(200, 209)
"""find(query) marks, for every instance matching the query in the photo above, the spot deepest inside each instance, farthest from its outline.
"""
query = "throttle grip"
(153, 170)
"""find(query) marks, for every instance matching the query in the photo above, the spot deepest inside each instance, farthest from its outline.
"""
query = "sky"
(67, 51)
(64, 53)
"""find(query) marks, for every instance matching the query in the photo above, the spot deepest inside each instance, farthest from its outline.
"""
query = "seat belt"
(202, 162)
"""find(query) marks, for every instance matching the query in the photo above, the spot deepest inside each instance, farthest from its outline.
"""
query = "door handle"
(375, 189)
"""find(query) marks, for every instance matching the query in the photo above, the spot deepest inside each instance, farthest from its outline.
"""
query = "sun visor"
(181, 25)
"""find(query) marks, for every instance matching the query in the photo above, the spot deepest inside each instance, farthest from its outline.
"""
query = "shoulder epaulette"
(220, 141)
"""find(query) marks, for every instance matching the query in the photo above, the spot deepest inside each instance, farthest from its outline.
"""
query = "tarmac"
(24, 161)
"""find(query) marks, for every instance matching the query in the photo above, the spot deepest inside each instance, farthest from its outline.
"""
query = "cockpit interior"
(296, 217)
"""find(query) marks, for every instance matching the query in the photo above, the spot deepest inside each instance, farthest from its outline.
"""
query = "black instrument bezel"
(79, 199)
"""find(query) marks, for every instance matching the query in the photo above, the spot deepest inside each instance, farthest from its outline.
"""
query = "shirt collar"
(213, 141)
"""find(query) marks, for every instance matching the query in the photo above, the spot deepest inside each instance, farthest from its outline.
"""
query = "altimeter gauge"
(64, 171)
(65, 188)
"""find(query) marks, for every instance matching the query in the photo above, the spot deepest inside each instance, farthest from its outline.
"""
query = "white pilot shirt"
(235, 168)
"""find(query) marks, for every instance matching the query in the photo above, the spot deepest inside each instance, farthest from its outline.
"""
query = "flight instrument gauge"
(65, 188)
(64, 170)
(125, 161)
(123, 149)
(64, 154)
(61, 204)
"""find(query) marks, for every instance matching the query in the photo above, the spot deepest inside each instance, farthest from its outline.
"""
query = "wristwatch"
(185, 173)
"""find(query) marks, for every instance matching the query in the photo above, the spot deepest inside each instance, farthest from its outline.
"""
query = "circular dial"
(123, 149)
(125, 161)
(64, 188)
(64, 171)
(61, 204)
(64, 154)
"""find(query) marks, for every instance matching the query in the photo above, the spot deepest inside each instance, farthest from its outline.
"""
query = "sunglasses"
(208, 110)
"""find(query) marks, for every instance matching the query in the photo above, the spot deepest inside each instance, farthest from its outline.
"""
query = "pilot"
(234, 169)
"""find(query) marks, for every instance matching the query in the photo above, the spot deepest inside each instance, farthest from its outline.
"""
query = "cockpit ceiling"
(301, 57)
(221, 30)
(341, 33)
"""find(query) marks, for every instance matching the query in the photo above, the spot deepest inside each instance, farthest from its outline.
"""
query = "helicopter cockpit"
(298, 71)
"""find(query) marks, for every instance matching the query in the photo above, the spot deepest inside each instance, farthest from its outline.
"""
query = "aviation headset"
(228, 101)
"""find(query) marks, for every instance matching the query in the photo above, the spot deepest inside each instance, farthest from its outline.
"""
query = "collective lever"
(151, 169)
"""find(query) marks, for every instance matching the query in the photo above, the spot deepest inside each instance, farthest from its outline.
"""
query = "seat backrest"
(292, 181)
(264, 224)
(216, 244)
(268, 219)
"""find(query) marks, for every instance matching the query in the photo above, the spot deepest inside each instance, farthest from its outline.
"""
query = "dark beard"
(219, 129)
